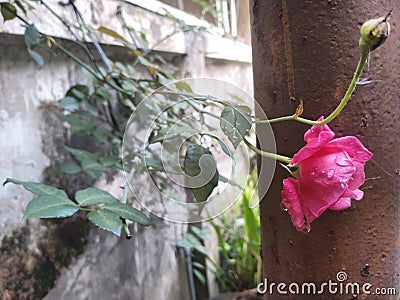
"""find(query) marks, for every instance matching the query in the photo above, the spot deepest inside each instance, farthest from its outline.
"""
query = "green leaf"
(110, 161)
(236, 123)
(193, 240)
(198, 265)
(183, 86)
(38, 188)
(128, 212)
(79, 124)
(90, 162)
(79, 92)
(18, 3)
(36, 57)
(112, 33)
(153, 164)
(81, 154)
(54, 206)
(69, 103)
(91, 196)
(200, 233)
(145, 62)
(204, 178)
(200, 249)
(199, 276)
(31, 36)
(8, 11)
(227, 180)
(224, 147)
(106, 220)
(93, 168)
(90, 108)
(69, 168)
(101, 94)
(172, 132)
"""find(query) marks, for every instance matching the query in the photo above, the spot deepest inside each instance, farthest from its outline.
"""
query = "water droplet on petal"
(283, 207)
(343, 161)
(307, 227)
(330, 173)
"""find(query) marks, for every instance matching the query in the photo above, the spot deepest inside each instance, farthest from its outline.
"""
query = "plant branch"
(281, 158)
(363, 58)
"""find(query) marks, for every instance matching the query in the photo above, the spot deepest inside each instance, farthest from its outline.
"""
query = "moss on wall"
(28, 272)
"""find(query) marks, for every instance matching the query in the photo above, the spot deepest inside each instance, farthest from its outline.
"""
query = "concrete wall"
(71, 257)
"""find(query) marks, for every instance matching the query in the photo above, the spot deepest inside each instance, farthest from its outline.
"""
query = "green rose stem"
(373, 33)
(342, 104)
(125, 227)
(281, 158)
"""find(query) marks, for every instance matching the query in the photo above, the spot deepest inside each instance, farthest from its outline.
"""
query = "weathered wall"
(31, 139)
(78, 260)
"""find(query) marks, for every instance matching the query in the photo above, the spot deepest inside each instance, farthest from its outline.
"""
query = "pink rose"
(330, 173)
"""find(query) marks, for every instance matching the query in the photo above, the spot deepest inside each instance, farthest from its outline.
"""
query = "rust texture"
(363, 240)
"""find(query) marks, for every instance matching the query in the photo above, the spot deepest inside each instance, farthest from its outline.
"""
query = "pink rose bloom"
(330, 173)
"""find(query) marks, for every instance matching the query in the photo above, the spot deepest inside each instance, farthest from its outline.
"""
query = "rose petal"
(358, 194)
(342, 203)
(358, 177)
(292, 202)
(316, 138)
(354, 194)
(353, 147)
(322, 182)
(317, 201)
(315, 131)
(312, 147)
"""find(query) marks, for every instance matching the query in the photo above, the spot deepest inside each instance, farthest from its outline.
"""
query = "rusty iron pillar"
(308, 50)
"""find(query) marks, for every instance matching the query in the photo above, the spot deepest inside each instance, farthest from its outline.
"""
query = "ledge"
(145, 16)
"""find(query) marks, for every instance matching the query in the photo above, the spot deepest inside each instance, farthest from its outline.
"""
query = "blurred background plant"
(238, 234)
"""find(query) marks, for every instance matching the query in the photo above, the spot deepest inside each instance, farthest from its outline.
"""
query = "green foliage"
(239, 243)
(236, 123)
(69, 167)
(195, 242)
(50, 203)
(200, 164)
(101, 110)
(91, 196)
(32, 40)
(106, 220)
(127, 212)
(55, 203)
(8, 11)
(37, 188)
(55, 206)
(93, 164)
(238, 233)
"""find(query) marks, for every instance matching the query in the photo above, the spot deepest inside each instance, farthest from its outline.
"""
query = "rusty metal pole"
(309, 50)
